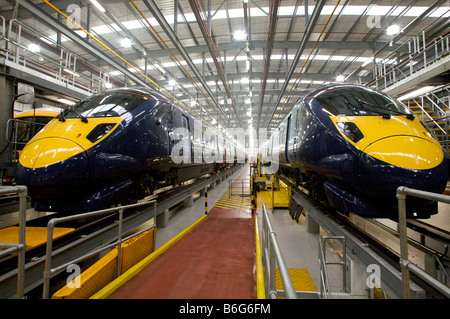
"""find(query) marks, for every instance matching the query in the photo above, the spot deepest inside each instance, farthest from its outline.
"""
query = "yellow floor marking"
(300, 278)
(33, 235)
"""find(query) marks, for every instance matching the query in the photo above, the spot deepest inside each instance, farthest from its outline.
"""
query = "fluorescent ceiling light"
(126, 43)
(417, 92)
(340, 78)
(240, 35)
(33, 47)
(393, 29)
(64, 101)
(108, 85)
(172, 82)
(71, 72)
(367, 62)
(244, 80)
(98, 5)
(248, 101)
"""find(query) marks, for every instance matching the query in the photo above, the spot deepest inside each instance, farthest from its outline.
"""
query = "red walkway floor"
(215, 260)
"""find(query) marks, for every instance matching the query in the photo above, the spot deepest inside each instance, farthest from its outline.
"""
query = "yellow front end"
(58, 141)
(397, 141)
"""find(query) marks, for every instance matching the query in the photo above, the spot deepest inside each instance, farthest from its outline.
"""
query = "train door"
(288, 141)
(294, 133)
(186, 139)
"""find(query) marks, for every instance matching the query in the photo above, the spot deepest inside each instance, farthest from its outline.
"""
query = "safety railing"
(240, 187)
(406, 265)
(420, 53)
(49, 272)
(325, 291)
(50, 58)
(271, 256)
(20, 246)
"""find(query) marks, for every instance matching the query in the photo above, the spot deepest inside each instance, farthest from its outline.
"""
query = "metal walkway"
(214, 260)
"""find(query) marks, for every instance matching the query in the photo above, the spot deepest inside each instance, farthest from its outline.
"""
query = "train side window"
(186, 139)
(288, 138)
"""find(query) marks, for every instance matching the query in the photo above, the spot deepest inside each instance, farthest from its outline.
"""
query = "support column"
(6, 103)
(312, 226)
(189, 201)
(162, 220)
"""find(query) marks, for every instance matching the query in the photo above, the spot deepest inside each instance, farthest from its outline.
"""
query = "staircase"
(433, 109)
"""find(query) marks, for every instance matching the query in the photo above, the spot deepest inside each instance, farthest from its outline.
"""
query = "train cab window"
(353, 101)
(107, 104)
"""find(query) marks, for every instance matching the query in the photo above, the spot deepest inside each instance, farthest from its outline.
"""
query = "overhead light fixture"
(98, 5)
(369, 60)
(393, 29)
(71, 72)
(340, 78)
(248, 101)
(160, 69)
(126, 43)
(64, 101)
(244, 80)
(172, 82)
(33, 47)
(108, 85)
(417, 92)
(240, 35)
(193, 103)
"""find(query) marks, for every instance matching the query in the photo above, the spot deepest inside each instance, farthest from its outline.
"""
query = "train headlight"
(351, 131)
(99, 131)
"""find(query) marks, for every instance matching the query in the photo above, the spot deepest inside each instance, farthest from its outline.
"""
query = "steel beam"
(151, 5)
(214, 54)
(269, 46)
(312, 23)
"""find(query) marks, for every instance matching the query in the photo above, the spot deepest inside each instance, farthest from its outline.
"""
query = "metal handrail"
(32, 60)
(244, 186)
(21, 246)
(405, 264)
(49, 271)
(272, 253)
(325, 291)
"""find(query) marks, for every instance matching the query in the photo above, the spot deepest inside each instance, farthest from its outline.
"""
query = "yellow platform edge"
(34, 236)
(301, 280)
(260, 290)
(122, 279)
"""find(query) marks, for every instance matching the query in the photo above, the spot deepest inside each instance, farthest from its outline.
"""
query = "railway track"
(336, 222)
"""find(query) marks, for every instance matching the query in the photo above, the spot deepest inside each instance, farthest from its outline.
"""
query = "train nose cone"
(407, 152)
(52, 162)
(402, 161)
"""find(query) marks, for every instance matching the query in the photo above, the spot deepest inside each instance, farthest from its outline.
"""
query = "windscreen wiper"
(81, 116)
(61, 116)
(408, 115)
(383, 114)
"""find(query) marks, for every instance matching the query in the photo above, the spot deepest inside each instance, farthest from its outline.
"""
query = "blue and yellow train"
(352, 147)
(113, 148)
